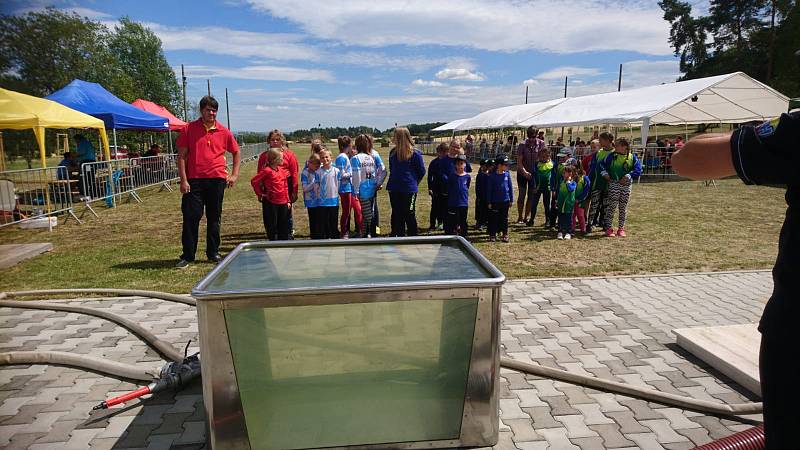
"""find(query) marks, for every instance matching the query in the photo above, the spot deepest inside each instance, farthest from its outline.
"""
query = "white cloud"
(262, 73)
(450, 73)
(246, 44)
(510, 25)
(558, 73)
(530, 82)
(426, 83)
(641, 73)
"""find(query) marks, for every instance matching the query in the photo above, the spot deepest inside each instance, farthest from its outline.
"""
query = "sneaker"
(345, 236)
(182, 264)
(547, 225)
(520, 221)
(567, 236)
(440, 228)
(621, 232)
(610, 232)
(560, 236)
(529, 223)
(588, 229)
(492, 238)
(505, 238)
(216, 258)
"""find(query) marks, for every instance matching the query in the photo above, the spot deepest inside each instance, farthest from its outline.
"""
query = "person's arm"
(183, 154)
(380, 173)
(636, 172)
(604, 166)
(233, 147)
(420, 166)
(431, 167)
(355, 166)
(705, 157)
(294, 171)
(510, 186)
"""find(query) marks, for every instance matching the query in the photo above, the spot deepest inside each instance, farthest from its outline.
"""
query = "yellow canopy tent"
(20, 112)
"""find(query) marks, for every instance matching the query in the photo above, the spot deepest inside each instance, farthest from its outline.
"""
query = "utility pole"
(183, 78)
(526, 94)
(209, 86)
(227, 109)
(619, 83)
(566, 78)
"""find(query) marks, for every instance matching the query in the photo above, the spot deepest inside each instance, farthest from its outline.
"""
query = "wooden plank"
(12, 254)
(731, 349)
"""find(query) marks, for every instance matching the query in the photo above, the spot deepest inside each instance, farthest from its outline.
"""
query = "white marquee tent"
(508, 116)
(731, 98)
(449, 125)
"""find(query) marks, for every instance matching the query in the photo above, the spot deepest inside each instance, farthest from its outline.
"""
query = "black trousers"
(315, 222)
(438, 209)
(404, 216)
(205, 194)
(329, 218)
(481, 212)
(779, 390)
(456, 220)
(276, 221)
(498, 219)
(545, 195)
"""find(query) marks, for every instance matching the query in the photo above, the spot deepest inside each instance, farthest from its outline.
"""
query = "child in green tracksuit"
(565, 202)
(543, 173)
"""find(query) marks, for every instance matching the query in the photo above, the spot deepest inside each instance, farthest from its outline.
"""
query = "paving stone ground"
(618, 328)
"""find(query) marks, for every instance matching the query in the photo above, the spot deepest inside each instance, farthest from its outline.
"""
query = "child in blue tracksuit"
(582, 194)
(437, 187)
(311, 195)
(458, 199)
(499, 195)
(565, 202)
(619, 169)
(481, 211)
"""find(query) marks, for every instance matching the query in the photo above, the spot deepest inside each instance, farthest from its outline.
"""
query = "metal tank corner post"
(462, 309)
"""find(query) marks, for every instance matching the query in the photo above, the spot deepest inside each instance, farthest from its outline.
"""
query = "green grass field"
(672, 226)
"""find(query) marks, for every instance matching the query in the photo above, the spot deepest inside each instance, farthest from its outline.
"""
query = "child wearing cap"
(437, 187)
(565, 202)
(481, 210)
(619, 169)
(499, 195)
(458, 199)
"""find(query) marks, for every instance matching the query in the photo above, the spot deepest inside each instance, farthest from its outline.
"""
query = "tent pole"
(2, 154)
(169, 139)
(39, 132)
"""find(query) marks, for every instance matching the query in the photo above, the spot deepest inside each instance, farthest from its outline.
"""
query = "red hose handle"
(144, 390)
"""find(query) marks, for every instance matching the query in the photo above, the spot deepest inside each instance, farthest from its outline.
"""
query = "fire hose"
(182, 369)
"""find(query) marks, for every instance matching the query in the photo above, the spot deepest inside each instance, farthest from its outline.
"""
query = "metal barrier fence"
(40, 193)
(34, 196)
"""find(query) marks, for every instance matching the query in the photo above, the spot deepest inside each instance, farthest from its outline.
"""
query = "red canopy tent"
(174, 123)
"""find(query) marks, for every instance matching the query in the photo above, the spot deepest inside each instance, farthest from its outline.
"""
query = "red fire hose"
(750, 439)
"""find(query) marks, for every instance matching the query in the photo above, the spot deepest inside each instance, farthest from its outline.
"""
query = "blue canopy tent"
(95, 100)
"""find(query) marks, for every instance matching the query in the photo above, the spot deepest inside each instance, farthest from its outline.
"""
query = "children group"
(572, 192)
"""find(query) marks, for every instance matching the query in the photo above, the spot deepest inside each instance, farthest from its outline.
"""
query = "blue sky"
(293, 64)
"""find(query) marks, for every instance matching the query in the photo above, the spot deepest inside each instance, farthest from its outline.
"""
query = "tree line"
(334, 132)
(758, 37)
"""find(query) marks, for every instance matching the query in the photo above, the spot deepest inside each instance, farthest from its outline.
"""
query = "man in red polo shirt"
(201, 166)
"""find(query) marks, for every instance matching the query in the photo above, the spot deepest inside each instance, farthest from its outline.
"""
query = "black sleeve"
(768, 153)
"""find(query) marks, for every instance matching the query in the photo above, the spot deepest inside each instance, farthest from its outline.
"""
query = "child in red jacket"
(272, 189)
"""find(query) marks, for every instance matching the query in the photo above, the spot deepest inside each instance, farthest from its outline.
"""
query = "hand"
(430, 192)
(293, 197)
(232, 180)
(624, 181)
(379, 187)
(607, 178)
(185, 188)
(526, 174)
(260, 200)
